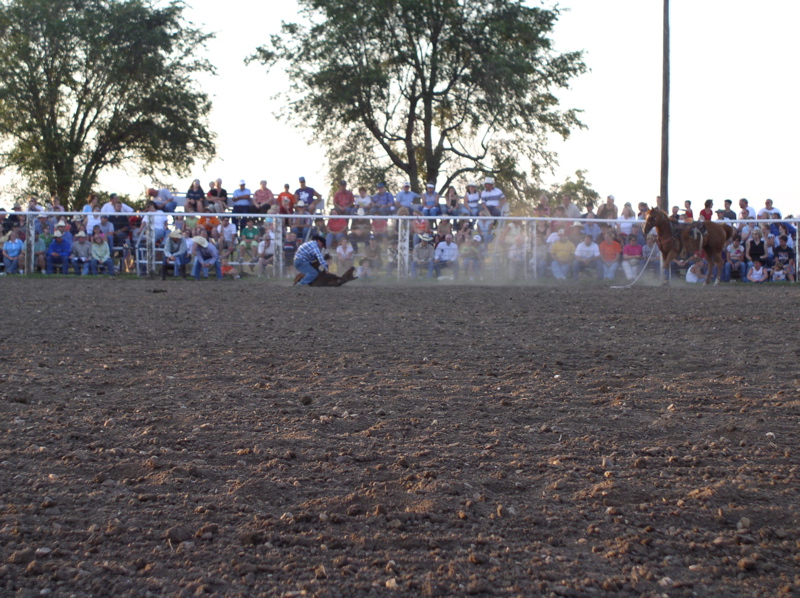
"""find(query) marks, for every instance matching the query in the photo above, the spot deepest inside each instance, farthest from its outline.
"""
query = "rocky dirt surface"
(247, 439)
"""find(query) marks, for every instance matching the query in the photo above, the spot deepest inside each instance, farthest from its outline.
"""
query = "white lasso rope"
(635, 280)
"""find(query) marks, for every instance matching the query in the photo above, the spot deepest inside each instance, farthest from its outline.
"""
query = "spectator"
(373, 252)
(12, 249)
(675, 215)
(757, 272)
(430, 201)
(721, 216)
(779, 272)
(688, 214)
(39, 253)
(784, 255)
(380, 230)
(407, 198)
(248, 244)
(308, 196)
(422, 256)
(360, 232)
(728, 213)
(228, 270)
(562, 254)
(343, 200)
(707, 213)
(464, 232)
(517, 254)
(81, 254)
(163, 199)
(572, 211)
(217, 198)
(446, 256)
(363, 202)
(242, 203)
(61, 225)
(608, 211)
(290, 245)
(696, 272)
(734, 260)
(755, 248)
(769, 210)
(91, 203)
(344, 255)
(205, 256)
(225, 236)
(301, 223)
(263, 198)
(745, 205)
(194, 198)
(490, 196)
(631, 257)
(175, 255)
(472, 256)
(627, 220)
(336, 228)
(610, 250)
(472, 199)
(58, 253)
(485, 226)
(100, 256)
(587, 257)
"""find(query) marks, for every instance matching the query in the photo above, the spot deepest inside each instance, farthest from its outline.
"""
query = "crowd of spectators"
(454, 235)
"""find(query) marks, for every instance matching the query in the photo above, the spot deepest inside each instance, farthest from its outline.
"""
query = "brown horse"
(676, 239)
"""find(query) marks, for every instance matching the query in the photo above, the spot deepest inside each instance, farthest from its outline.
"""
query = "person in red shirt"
(343, 199)
(707, 213)
(337, 227)
(688, 215)
(610, 250)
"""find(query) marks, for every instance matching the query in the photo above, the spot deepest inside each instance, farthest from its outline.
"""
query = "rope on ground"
(635, 280)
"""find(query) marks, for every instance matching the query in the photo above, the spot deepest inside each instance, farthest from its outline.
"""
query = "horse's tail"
(728, 232)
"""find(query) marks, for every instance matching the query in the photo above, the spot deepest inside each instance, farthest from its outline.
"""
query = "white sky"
(734, 98)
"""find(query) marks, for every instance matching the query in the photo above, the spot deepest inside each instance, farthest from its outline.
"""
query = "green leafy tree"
(423, 88)
(88, 85)
(580, 189)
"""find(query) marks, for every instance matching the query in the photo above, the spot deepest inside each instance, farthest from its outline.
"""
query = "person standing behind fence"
(306, 254)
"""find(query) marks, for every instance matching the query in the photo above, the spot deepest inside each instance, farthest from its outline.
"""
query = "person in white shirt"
(115, 205)
(446, 256)
(770, 209)
(490, 196)
(587, 257)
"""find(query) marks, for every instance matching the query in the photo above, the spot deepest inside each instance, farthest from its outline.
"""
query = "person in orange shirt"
(209, 223)
(610, 250)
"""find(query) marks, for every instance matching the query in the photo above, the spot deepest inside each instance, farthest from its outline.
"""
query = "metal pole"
(151, 247)
(30, 235)
(664, 197)
(402, 249)
(277, 260)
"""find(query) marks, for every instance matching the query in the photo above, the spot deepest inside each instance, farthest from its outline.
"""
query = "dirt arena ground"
(247, 439)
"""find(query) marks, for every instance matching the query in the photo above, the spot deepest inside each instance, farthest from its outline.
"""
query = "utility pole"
(664, 195)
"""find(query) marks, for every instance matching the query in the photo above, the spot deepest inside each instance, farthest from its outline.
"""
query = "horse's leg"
(667, 266)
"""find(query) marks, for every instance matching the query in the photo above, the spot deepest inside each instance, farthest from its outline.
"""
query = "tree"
(426, 87)
(87, 85)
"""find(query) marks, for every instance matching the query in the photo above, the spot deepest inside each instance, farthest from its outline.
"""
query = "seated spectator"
(757, 272)
(363, 201)
(784, 255)
(706, 213)
(343, 200)
(228, 270)
(587, 258)
(407, 198)
(779, 272)
(472, 199)
(446, 256)
(361, 229)
(12, 250)
(344, 254)
(248, 245)
(610, 251)
(485, 228)
(195, 197)
(101, 256)
(81, 254)
(217, 198)
(205, 256)
(734, 260)
(364, 270)
(383, 204)
(420, 225)
(373, 252)
(39, 254)
(380, 229)
(755, 248)
(696, 272)
(242, 203)
(472, 256)
(631, 257)
(263, 198)
(301, 223)
(337, 228)
(163, 199)
(58, 253)
(430, 201)
(562, 253)
(175, 255)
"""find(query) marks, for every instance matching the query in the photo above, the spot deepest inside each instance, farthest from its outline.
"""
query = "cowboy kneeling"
(308, 252)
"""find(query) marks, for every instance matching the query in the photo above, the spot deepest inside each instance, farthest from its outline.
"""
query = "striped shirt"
(308, 252)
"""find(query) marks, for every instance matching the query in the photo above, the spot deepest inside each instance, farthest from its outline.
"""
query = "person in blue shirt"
(406, 197)
(12, 249)
(308, 253)
(205, 255)
(383, 201)
(58, 253)
(309, 196)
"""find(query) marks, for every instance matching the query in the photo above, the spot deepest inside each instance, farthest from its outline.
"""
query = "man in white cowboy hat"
(81, 254)
(174, 255)
(491, 196)
(422, 256)
(205, 255)
(58, 253)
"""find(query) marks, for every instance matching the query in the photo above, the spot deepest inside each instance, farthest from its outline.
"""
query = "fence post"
(30, 236)
(529, 231)
(151, 247)
(277, 261)
(402, 248)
